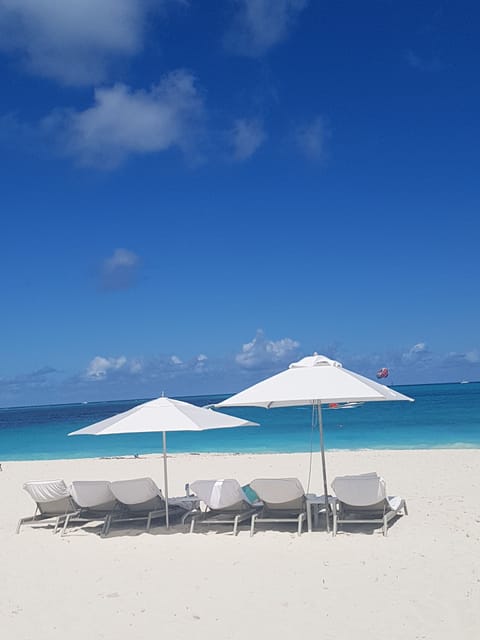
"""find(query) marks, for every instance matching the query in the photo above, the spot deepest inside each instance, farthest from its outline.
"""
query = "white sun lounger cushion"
(278, 490)
(135, 491)
(47, 491)
(219, 494)
(91, 493)
(362, 490)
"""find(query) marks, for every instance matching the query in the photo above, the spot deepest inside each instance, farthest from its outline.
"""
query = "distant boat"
(465, 382)
(344, 405)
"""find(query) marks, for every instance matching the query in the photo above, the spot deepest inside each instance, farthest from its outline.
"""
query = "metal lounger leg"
(192, 525)
(235, 525)
(20, 522)
(252, 524)
(106, 526)
(309, 517)
(301, 518)
(65, 524)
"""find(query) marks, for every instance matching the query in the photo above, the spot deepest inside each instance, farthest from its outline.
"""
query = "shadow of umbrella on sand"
(162, 415)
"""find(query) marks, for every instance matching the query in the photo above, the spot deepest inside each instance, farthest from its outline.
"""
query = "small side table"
(318, 504)
(191, 504)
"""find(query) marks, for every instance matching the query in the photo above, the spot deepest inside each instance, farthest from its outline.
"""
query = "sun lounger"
(141, 499)
(363, 499)
(95, 500)
(225, 503)
(53, 500)
(283, 500)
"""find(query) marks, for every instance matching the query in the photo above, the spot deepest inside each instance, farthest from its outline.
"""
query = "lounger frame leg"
(106, 526)
(235, 525)
(252, 524)
(65, 525)
(149, 523)
(301, 518)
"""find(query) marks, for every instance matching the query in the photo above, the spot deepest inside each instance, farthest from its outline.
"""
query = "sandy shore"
(422, 581)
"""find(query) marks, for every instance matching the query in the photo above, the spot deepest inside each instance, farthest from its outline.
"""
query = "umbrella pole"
(324, 467)
(165, 477)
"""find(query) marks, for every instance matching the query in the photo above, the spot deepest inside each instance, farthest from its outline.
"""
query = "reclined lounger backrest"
(365, 490)
(282, 494)
(221, 495)
(139, 494)
(51, 496)
(94, 495)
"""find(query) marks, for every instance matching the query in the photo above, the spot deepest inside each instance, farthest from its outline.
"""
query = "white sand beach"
(422, 581)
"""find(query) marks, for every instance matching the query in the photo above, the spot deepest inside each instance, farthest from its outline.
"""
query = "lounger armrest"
(395, 502)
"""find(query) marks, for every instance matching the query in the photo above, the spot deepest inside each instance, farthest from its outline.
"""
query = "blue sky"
(196, 193)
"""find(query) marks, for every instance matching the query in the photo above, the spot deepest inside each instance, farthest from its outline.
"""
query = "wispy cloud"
(258, 25)
(74, 41)
(466, 358)
(119, 271)
(123, 122)
(102, 368)
(245, 138)
(416, 354)
(421, 63)
(311, 138)
(261, 353)
(39, 380)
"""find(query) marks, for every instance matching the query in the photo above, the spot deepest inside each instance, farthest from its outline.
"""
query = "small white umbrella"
(314, 380)
(162, 415)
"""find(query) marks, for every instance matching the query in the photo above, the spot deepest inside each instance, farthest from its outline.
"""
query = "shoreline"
(460, 447)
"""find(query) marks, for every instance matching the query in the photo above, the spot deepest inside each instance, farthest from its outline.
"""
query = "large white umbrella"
(162, 415)
(314, 380)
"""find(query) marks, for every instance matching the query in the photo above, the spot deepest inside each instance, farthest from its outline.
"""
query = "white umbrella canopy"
(162, 415)
(314, 380)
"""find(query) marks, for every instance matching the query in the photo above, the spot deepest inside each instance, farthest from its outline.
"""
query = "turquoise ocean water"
(442, 416)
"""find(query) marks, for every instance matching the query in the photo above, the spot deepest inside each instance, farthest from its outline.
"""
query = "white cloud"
(99, 367)
(175, 360)
(259, 25)
(73, 41)
(201, 363)
(124, 122)
(417, 353)
(119, 271)
(245, 138)
(262, 353)
(311, 138)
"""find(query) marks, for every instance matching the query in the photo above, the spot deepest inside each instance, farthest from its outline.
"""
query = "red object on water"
(382, 373)
(333, 405)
